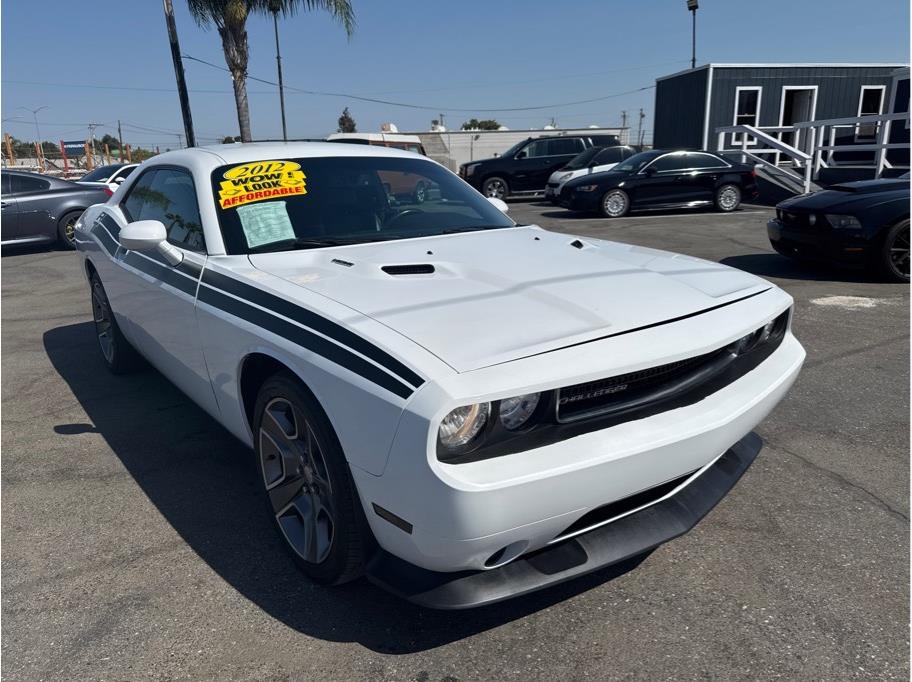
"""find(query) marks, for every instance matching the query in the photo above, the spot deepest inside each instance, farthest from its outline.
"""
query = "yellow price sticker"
(260, 181)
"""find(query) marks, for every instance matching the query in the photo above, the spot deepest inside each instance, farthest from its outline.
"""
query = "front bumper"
(604, 546)
(822, 243)
(580, 201)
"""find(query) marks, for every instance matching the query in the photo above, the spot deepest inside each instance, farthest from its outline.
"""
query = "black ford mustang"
(861, 224)
(662, 179)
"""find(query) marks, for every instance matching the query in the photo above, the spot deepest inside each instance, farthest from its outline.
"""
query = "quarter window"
(747, 111)
(169, 196)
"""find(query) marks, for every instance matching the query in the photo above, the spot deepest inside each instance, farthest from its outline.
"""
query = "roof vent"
(414, 269)
(343, 263)
(576, 244)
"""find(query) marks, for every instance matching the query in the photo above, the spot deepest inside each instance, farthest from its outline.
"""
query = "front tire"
(116, 352)
(894, 253)
(614, 204)
(495, 188)
(309, 489)
(66, 229)
(728, 198)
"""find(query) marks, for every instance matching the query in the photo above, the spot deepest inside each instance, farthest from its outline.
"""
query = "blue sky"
(110, 59)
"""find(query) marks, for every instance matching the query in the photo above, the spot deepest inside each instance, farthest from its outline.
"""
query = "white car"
(463, 408)
(592, 160)
(110, 176)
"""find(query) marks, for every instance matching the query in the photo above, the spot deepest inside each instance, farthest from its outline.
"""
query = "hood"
(602, 176)
(844, 197)
(481, 298)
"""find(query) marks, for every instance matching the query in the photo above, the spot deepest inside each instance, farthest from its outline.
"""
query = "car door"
(663, 181)
(153, 300)
(9, 224)
(35, 217)
(529, 164)
(705, 171)
(560, 152)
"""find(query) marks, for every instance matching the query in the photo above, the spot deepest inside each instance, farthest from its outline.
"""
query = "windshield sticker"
(259, 181)
(265, 223)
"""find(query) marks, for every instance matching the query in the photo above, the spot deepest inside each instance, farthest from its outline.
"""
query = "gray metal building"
(691, 104)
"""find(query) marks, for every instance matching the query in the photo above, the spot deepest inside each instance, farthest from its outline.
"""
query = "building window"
(747, 111)
(870, 103)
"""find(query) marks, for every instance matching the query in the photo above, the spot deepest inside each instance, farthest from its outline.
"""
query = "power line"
(436, 108)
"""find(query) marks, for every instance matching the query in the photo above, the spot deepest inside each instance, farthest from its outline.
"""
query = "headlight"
(565, 176)
(460, 426)
(514, 412)
(844, 222)
(771, 331)
(470, 169)
(586, 188)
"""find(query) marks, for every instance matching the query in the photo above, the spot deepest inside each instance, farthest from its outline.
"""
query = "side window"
(670, 162)
(169, 196)
(565, 146)
(19, 184)
(536, 149)
(5, 180)
(704, 161)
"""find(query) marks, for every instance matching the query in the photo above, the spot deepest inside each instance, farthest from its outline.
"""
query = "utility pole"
(35, 116)
(92, 127)
(120, 140)
(274, 6)
(441, 121)
(179, 73)
(640, 128)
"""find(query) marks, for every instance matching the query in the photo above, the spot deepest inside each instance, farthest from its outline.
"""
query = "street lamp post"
(693, 5)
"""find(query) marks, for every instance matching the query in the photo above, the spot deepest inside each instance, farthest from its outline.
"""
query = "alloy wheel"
(297, 480)
(69, 229)
(104, 331)
(615, 204)
(899, 252)
(728, 199)
(496, 189)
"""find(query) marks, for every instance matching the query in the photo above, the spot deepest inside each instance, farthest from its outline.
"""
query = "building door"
(798, 104)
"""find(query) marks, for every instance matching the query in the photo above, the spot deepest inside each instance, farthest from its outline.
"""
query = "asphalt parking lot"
(136, 543)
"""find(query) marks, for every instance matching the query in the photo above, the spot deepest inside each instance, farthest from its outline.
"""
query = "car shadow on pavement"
(203, 483)
(566, 213)
(782, 267)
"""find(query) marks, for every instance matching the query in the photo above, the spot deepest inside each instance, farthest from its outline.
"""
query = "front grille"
(598, 397)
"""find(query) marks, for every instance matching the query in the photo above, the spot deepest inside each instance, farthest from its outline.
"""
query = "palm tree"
(230, 18)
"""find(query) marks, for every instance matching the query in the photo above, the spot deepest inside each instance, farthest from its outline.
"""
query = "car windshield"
(287, 204)
(100, 174)
(515, 148)
(635, 162)
(582, 159)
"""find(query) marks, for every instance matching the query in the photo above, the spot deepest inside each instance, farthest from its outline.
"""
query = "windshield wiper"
(310, 243)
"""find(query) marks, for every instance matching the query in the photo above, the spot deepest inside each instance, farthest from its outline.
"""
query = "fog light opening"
(506, 554)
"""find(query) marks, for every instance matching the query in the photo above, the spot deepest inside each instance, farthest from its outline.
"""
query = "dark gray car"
(39, 209)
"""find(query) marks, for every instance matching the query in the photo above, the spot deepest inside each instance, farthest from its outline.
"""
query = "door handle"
(3, 204)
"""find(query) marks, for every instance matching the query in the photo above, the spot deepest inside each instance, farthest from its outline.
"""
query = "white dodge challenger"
(462, 408)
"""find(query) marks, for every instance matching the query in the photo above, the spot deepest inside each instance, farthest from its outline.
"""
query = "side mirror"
(149, 235)
(649, 171)
(119, 179)
(521, 155)
(500, 204)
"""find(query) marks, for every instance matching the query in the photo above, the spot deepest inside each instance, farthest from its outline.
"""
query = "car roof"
(222, 154)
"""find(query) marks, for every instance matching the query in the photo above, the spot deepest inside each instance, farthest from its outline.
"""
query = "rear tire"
(894, 253)
(116, 352)
(728, 198)
(66, 229)
(496, 187)
(308, 486)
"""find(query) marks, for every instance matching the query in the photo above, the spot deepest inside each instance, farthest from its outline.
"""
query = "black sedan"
(662, 179)
(39, 209)
(860, 224)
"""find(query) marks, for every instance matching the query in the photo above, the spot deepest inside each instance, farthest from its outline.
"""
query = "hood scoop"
(410, 269)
